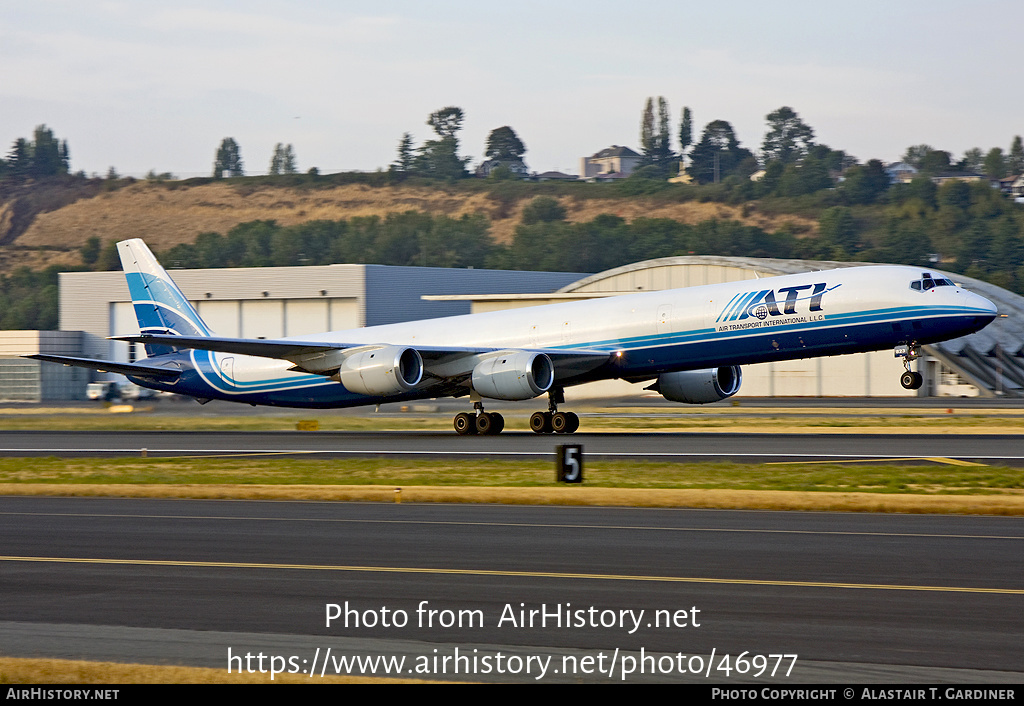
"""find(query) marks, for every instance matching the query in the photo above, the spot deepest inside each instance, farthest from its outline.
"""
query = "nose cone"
(984, 310)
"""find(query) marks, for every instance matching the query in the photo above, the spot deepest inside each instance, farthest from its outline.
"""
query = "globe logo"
(761, 312)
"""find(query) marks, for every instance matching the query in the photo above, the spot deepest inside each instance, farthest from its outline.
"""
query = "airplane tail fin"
(160, 307)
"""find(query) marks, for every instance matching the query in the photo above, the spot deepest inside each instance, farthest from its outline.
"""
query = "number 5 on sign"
(569, 463)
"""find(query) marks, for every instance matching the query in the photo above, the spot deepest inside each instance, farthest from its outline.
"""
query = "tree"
(914, 155)
(995, 164)
(19, 159)
(543, 209)
(404, 161)
(864, 184)
(49, 155)
(228, 159)
(788, 138)
(972, 161)
(44, 156)
(935, 162)
(685, 132)
(446, 122)
(655, 142)
(717, 155)
(662, 148)
(440, 158)
(283, 161)
(503, 143)
(1016, 161)
(647, 133)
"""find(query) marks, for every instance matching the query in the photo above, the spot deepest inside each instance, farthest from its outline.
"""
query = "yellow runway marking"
(934, 459)
(486, 572)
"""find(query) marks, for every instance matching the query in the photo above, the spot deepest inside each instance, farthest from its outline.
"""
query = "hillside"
(167, 214)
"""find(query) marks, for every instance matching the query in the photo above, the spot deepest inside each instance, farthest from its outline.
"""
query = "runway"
(1005, 449)
(855, 597)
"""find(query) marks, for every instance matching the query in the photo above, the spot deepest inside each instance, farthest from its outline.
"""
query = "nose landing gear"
(910, 380)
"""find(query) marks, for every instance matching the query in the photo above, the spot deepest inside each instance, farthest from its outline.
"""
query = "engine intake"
(699, 386)
(514, 375)
(384, 370)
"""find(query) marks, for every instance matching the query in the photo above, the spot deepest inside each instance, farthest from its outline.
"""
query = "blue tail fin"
(159, 305)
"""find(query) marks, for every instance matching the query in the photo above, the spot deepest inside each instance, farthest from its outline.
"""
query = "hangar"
(988, 363)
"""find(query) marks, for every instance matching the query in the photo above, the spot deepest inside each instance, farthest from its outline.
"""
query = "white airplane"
(690, 342)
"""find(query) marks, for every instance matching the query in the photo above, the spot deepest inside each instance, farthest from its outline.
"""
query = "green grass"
(279, 470)
(703, 419)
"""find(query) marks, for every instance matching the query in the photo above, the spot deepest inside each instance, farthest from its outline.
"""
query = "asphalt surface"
(1000, 449)
(857, 597)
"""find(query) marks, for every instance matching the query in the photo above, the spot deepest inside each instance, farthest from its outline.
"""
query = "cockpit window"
(928, 282)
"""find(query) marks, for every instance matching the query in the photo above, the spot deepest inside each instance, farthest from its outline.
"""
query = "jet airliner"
(690, 343)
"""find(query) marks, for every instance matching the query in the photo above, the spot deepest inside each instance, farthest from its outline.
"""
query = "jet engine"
(514, 375)
(387, 370)
(699, 386)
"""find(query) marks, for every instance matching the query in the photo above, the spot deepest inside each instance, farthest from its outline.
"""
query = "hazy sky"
(156, 85)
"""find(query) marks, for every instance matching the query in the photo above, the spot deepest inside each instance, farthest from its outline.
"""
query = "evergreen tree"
(718, 154)
(288, 160)
(503, 143)
(276, 160)
(283, 161)
(995, 163)
(788, 138)
(1016, 161)
(228, 159)
(440, 158)
(685, 132)
(647, 138)
(404, 161)
(663, 150)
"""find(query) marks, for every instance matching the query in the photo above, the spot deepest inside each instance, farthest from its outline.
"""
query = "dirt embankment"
(165, 216)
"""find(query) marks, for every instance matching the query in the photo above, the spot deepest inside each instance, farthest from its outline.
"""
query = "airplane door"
(227, 369)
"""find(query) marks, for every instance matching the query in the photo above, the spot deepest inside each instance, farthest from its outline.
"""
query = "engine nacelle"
(515, 375)
(699, 386)
(388, 370)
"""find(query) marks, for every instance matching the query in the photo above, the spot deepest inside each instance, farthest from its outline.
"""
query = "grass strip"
(15, 670)
(875, 488)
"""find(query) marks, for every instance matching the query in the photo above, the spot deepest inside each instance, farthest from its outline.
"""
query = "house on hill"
(516, 166)
(611, 162)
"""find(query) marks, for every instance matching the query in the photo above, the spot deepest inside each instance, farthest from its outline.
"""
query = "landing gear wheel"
(465, 423)
(489, 423)
(564, 422)
(540, 422)
(911, 380)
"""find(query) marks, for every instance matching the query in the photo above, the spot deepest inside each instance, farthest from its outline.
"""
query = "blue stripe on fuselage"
(646, 355)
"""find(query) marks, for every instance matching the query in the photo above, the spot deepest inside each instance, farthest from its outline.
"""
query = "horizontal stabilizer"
(140, 370)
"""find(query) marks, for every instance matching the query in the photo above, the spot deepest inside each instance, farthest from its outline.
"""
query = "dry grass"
(62, 671)
(166, 217)
(1007, 504)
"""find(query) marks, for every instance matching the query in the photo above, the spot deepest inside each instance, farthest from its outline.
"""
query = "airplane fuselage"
(806, 315)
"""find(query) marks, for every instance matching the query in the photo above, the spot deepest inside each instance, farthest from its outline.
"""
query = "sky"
(146, 85)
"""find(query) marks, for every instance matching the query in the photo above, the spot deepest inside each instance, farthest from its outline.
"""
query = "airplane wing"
(156, 372)
(310, 356)
(283, 349)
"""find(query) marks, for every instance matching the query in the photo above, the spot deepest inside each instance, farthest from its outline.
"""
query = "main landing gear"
(481, 422)
(478, 422)
(909, 379)
(553, 420)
